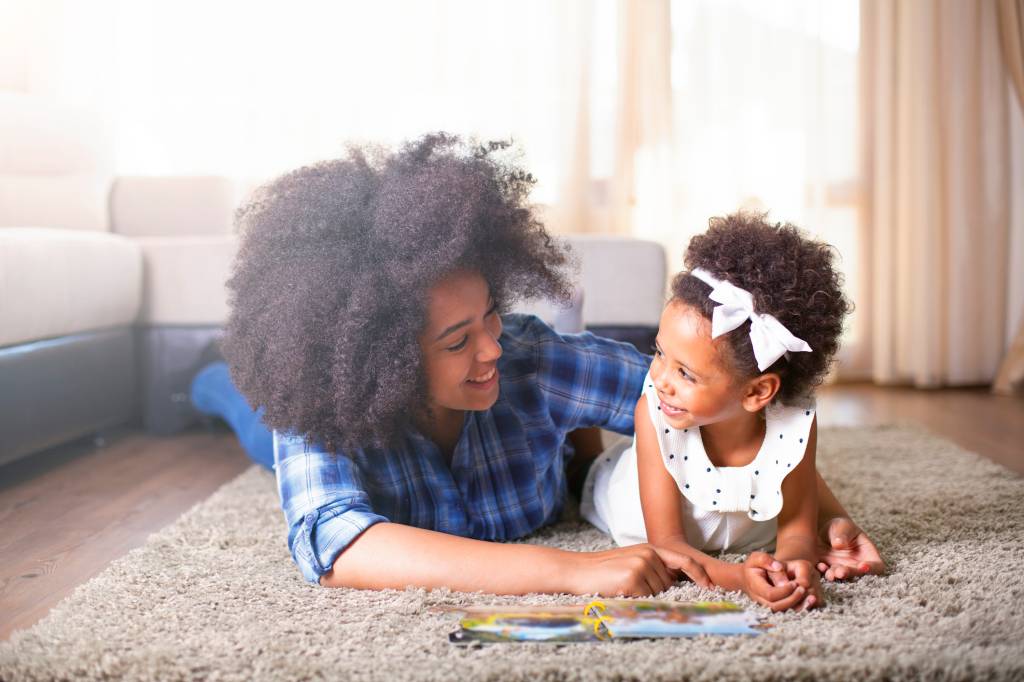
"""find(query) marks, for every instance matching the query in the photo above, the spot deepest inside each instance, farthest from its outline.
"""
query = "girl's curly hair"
(329, 289)
(789, 275)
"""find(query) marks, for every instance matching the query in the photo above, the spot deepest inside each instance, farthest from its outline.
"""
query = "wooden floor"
(69, 512)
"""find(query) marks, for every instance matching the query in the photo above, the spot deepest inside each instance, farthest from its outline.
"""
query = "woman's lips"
(669, 410)
(485, 380)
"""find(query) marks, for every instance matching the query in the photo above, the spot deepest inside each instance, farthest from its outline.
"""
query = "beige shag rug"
(215, 596)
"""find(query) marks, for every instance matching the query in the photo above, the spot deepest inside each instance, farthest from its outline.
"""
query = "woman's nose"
(489, 349)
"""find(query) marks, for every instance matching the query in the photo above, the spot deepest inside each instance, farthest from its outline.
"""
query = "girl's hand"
(845, 551)
(635, 571)
(803, 573)
(780, 596)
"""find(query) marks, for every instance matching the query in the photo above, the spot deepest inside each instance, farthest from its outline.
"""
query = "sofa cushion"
(57, 282)
(165, 206)
(623, 279)
(77, 202)
(55, 165)
(565, 318)
(185, 279)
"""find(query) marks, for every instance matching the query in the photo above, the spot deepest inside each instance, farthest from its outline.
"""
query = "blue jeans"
(213, 394)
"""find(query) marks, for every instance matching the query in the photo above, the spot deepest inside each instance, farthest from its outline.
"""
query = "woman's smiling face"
(694, 386)
(460, 343)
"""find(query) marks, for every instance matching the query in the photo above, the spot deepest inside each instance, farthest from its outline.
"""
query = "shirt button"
(310, 518)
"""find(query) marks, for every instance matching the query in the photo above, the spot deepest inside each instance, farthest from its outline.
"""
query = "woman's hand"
(765, 580)
(634, 571)
(845, 551)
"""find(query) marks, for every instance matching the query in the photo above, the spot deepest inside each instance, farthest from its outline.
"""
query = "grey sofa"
(98, 274)
(112, 288)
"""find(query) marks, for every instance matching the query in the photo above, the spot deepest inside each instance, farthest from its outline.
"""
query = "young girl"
(723, 456)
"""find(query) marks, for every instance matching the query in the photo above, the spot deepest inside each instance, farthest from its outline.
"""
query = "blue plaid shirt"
(507, 472)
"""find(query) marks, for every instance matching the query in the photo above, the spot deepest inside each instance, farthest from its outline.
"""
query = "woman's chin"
(480, 398)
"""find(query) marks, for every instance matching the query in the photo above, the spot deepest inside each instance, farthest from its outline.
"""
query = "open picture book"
(601, 620)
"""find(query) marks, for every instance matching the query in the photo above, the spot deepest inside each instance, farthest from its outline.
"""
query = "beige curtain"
(1011, 35)
(641, 189)
(935, 214)
(1010, 377)
(573, 209)
(636, 190)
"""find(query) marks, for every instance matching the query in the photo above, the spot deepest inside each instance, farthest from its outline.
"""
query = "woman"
(413, 421)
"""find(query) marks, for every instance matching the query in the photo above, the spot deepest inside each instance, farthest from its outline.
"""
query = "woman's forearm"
(391, 555)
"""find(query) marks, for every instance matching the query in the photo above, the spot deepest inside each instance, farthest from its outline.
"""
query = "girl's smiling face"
(694, 386)
(460, 344)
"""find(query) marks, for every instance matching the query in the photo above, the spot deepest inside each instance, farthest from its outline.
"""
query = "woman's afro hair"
(329, 289)
(789, 276)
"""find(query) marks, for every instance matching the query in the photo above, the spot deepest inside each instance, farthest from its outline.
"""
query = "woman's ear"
(759, 391)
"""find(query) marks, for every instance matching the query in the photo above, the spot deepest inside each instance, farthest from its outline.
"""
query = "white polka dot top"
(731, 509)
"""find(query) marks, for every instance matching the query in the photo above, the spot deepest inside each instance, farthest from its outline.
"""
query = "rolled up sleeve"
(323, 501)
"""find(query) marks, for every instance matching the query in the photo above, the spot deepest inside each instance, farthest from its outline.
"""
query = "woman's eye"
(656, 351)
(460, 345)
(494, 309)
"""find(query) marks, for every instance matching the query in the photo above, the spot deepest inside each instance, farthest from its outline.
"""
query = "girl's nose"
(660, 381)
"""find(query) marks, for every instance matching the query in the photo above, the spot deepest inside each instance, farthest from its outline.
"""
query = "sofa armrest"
(623, 279)
(172, 206)
(184, 279)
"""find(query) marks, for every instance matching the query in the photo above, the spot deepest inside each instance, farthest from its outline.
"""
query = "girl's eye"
(686, 375)
(656, 351)
(460, 345)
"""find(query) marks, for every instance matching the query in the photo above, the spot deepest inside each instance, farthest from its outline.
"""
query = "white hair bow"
(770, 338)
